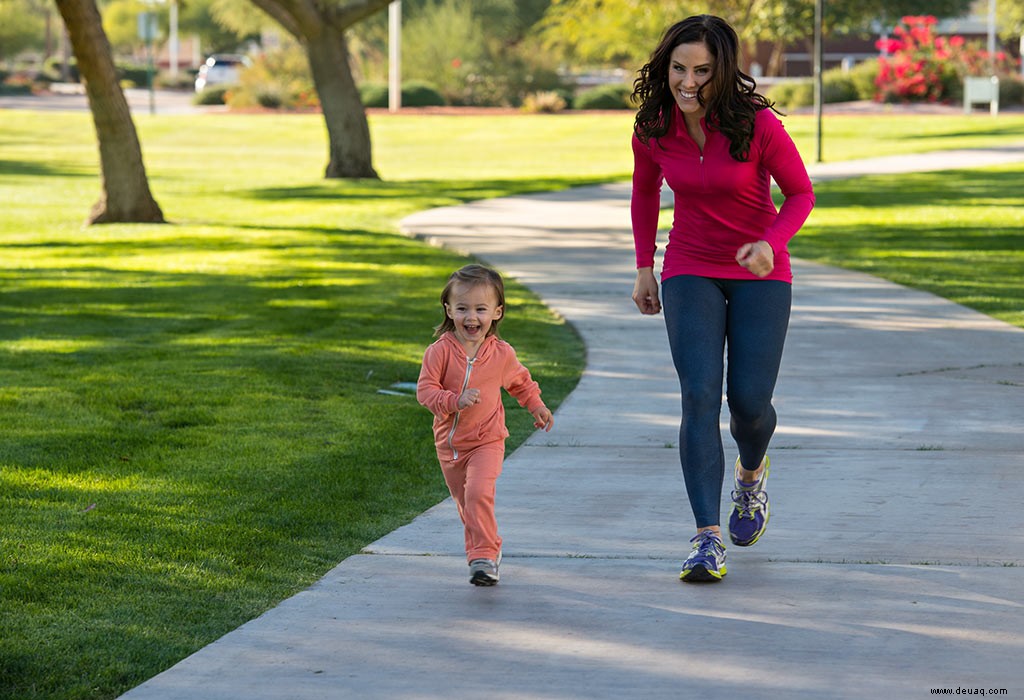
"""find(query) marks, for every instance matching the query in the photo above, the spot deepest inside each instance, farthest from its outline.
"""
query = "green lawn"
(958, 234)
(192, 428)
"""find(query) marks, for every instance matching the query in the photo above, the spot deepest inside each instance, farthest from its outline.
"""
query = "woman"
(726, 279)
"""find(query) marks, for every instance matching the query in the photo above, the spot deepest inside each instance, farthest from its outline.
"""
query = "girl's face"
(473, 309)
(690, 66)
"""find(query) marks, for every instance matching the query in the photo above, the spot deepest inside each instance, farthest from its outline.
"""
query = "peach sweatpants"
(471, 481)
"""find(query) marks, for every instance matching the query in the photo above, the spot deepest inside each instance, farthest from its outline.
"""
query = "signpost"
(147, 32)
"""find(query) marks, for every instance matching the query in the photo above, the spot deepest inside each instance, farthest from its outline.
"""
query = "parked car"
(220, 69)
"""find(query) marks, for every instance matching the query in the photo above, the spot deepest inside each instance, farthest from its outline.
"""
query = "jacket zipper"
(455, 423)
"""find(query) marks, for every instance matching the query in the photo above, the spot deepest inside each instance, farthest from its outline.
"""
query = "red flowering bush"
(923, 67)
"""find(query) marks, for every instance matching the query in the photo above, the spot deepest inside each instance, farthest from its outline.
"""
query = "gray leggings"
(703, 317)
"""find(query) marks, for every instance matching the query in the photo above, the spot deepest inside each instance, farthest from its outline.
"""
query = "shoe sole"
(699, 574)
(482, 579)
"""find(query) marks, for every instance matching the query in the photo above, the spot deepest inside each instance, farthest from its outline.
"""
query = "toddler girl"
(461, 380)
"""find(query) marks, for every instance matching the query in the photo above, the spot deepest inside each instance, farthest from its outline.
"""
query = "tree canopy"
(625, 31)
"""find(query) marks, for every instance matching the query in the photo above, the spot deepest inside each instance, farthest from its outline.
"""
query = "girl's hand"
(645, 292)
(542, 418)
(758, 257)
(468, 398)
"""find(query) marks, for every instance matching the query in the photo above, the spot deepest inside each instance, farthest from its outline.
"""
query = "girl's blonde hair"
(471, 275)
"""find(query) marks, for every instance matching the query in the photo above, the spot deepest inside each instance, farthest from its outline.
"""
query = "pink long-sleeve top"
(447, 372)
(720, 203)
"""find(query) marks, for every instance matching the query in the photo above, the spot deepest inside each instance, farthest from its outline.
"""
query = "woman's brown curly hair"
(733, 102)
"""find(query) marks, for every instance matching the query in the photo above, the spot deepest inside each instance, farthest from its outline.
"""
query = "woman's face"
(689, 67)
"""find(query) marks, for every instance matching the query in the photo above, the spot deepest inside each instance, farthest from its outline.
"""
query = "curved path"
(894, 563)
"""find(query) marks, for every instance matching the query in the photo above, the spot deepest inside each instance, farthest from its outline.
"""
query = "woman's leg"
(695, 317)
(758, 318)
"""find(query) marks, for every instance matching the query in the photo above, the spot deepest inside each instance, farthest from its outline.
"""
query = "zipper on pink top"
(455, 423)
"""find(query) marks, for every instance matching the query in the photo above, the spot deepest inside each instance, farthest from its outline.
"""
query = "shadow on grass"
(364, 244)
(26, 169)
(995, 130)
(457, 190)
(922, 189)
(957, 247)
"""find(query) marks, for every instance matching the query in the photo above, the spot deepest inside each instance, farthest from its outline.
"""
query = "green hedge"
(837, 86)
(415, 93)
(605, 97)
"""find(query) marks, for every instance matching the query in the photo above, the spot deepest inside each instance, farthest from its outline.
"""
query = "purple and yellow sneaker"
(750, 511)
(707, 558)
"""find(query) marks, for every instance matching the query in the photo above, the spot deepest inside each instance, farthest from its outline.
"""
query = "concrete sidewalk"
(894, 563)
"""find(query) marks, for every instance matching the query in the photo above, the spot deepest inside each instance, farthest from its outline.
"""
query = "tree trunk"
(125, 195)
(348, 132)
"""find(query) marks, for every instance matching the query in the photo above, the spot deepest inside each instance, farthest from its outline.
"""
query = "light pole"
(172, 41)
(818, 83)
(395, 56)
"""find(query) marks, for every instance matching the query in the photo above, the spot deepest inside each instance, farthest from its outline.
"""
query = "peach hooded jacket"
(447, 372)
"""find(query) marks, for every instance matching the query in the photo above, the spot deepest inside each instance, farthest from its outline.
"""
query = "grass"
(851, 136)
(957, 234)
(192, 429)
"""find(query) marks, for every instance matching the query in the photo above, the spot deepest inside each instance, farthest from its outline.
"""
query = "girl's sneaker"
(484, 572)
(707, 558)
(750, 512)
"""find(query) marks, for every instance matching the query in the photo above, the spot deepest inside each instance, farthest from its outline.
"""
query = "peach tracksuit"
(471, 443)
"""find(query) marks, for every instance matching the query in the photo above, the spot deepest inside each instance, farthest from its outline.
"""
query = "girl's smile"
(473, 309)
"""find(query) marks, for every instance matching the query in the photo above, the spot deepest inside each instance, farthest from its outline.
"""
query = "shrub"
(216, 95)
(605, 97)
(184, 81)
(276, 79)
(417, 93)
(1011, 90)
(15, 88)
(52, 69)
(133, 73)
(547, 102)
(269, 99)
(374, 94)
(864, 76)
(923, 67)
(792, 94)
(837, 86)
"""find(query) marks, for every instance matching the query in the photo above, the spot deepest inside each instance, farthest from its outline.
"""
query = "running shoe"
(750, 512)
(707, 558)
(484, 572)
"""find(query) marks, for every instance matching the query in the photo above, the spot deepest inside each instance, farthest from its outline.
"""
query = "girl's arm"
(518, 382)
(430, 392)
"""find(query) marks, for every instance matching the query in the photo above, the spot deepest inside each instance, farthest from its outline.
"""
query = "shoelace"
(749, 502)
(706, 540)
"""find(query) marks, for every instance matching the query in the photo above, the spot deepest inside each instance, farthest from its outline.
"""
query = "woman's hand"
(645, 292)
(758, 257)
